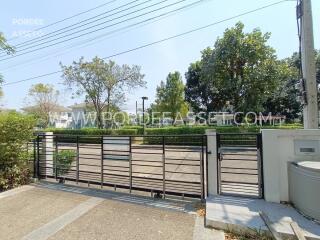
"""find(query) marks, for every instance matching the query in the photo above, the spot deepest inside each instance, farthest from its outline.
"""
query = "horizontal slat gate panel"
(159, 164)
(239, 165)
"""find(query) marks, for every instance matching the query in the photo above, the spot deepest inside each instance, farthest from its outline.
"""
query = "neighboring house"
(80, 115)
(59, 116)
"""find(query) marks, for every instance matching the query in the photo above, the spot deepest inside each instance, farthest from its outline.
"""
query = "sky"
(156, 61)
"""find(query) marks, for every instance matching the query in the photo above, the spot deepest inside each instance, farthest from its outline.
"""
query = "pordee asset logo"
(170, 118)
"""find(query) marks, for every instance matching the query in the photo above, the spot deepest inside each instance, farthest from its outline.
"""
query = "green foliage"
(63, 161)
(15, 131)
(219, 129)
(239, 73)
(184, 130)
(197, 91)
(43, 98)
(5, 46)
(8, 50)
(15, 176)
(139, 129)
(103, 83)
(93, 131)
(170, 97)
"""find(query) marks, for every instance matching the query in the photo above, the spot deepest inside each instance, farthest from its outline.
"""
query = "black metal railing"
(162, 165)
(240, 164)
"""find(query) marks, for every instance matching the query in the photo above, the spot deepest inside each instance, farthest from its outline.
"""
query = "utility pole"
(144, 124)
(136, 112)
(310, 110)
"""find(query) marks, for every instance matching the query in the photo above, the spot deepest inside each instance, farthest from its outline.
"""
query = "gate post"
(212, 162)
(46, 159)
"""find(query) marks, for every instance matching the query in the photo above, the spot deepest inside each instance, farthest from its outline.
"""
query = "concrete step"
(242, 215)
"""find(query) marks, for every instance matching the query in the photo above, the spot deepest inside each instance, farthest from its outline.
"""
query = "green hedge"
(153, 133)
(93, 131)
(191, 130)
(185, 130)
(139, 129)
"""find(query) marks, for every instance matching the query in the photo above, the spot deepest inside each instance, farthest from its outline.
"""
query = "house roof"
(55, 108)
(81, 105)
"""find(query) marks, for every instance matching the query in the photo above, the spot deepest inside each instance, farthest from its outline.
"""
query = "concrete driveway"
(52, 211)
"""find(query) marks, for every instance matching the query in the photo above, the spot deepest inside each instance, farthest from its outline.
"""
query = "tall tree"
(170, 96)
(283, 101)
(4, 46)
(242, 70)
(199, 89)
(43, 98)
(103, 83)
(243, 67)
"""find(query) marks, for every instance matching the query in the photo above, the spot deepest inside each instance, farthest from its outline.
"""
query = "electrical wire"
(65, 19)
(52, 34)
(93, 31)
(162, 40)
(88, 42)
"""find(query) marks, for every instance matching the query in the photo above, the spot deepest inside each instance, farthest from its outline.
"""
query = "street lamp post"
(144, 125)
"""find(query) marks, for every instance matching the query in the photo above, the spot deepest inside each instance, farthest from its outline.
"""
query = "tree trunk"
(99, 120)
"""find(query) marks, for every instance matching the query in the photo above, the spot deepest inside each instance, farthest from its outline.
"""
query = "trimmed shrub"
(15, 131)
(63, 161)
(93, 131)
(138, 128)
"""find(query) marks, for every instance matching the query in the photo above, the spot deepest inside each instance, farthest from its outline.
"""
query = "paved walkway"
(52, 211)
(242, 215)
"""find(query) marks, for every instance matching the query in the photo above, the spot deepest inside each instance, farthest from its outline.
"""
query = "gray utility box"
(304, 187)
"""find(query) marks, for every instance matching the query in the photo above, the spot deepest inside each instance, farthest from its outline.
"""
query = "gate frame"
(40, 139)
(259, 165)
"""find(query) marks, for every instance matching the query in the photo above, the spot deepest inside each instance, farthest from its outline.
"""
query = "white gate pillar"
(212, 162)
(46, 160)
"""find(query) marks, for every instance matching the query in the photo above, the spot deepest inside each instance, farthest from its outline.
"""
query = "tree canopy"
(43, 99)
(170, 96)
(103, 83)
(241, 72)
(8, 49)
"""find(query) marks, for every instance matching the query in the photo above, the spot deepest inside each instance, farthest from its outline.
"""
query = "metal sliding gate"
(240, 164)
(162, 165)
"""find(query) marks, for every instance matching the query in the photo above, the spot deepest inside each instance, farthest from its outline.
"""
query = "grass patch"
(247, 236)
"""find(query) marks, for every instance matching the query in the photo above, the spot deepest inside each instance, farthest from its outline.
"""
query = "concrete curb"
(15, 191)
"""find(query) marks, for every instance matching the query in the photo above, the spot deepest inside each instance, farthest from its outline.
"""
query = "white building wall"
(278, 150)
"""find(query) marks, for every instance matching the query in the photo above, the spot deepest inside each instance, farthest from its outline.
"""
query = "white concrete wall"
(278, 150)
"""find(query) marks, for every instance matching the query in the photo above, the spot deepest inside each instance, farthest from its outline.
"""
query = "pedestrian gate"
(240, 165)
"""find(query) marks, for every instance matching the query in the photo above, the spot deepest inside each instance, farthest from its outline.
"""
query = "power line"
(32, 78)
(75, 24)
(94, 40)
(93, 31)
(162, 40)
(79, 27)
(65, 19)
